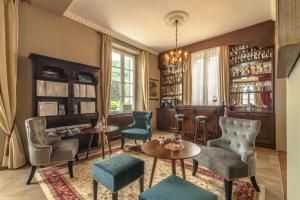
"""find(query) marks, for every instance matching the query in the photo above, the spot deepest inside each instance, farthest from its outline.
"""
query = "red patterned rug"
(56, 184)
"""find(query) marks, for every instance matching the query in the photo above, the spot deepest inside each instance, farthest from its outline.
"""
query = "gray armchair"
(45, 149)
(233, 155)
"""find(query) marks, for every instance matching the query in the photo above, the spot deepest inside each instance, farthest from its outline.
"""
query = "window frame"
(122, 82)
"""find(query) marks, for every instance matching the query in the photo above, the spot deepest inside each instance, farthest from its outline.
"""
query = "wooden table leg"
(108, 141)
(182, 168)
(173, 167)
(102, 145)
(90, 144)
(152, 172)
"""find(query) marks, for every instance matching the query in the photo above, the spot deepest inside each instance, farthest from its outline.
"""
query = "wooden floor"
(12, 182)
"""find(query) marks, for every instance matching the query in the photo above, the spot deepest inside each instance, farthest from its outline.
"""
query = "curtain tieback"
(9, 136)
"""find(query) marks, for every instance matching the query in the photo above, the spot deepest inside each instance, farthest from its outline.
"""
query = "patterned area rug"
(56, 184)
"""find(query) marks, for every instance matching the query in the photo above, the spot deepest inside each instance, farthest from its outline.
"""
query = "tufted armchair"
(141, 128)
(45, 149)
(233, 155)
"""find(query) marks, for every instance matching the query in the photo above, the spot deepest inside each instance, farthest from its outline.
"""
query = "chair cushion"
(224, 162)
(64, 150)
(118, 171)
(136, 133)
(175, 188)
(201, 118)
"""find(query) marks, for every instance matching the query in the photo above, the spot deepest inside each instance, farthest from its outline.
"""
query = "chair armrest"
(220, 142)
(53, 139)
(246, 154)
(149, 129)
(40, 153)
(131, 125)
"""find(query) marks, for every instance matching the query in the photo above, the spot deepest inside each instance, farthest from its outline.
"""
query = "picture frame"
(153, 89)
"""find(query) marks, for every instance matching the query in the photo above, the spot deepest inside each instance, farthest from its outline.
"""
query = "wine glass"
(178, 138)
(214, 99)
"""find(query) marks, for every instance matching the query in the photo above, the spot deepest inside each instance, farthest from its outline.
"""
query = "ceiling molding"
(108, 32)
(57, 7)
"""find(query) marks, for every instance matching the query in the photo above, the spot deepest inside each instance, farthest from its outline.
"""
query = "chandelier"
(176, 59)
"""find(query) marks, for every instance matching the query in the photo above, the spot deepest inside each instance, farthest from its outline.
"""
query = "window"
(206, 77)
(122, 81)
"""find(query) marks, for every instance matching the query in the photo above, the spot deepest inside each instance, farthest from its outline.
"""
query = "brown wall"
(51, 35)
(262, 34)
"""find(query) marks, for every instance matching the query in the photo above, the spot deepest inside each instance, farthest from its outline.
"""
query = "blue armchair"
(141, 128)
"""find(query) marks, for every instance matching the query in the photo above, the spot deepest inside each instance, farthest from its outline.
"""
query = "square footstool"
(175, 188)
(116, 172)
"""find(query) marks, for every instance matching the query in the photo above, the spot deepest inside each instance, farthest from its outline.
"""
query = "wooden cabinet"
(212, 112)
(266, 136)
(166, 119)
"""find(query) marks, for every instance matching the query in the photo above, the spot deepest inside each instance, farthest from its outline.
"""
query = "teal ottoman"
(116, 172)
(175, 188)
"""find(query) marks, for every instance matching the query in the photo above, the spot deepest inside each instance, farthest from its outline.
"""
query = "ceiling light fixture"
(176, 59)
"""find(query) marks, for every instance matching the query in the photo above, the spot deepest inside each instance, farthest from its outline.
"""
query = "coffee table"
(103, 131)
(156, 150)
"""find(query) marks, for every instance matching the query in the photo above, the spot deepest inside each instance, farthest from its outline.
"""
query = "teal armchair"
(140, 129)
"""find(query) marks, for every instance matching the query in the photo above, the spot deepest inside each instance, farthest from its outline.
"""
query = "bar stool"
(201, 120)
(179, 127)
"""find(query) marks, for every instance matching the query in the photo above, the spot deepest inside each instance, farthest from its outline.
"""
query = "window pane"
(128, 89)
(128, 63)
(115, 105)
(131, 76)
(128, 100)
(115, 93)
(126, 76)
(116, 59)
(116, 74)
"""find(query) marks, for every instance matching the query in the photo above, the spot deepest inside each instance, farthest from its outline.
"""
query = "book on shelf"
(47, 108)
(87, 107)
(61, 109)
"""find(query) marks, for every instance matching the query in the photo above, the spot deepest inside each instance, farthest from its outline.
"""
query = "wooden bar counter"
(166, 119)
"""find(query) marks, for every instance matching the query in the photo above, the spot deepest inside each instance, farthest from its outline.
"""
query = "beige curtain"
(13, 152)
(224, 76)
(105, 81)
(145, 79)
(187, 84)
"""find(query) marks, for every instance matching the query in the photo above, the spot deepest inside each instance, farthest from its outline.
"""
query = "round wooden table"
(103, 131)
(156, 150)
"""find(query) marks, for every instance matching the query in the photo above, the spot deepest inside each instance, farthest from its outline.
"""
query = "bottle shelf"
(268, 91)
(171, 95)
(251, 62)
(252, 76)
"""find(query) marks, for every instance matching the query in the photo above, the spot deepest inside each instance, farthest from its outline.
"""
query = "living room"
(128, 100)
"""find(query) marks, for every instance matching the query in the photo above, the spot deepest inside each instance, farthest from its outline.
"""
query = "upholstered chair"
(140, 129)
(44, 149)
(233, 155)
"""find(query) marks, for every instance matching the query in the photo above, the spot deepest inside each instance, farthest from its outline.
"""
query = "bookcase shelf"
(62, 71)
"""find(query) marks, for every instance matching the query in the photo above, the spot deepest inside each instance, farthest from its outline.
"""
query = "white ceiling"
(143, 20)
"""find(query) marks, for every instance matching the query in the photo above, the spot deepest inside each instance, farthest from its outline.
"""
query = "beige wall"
(280, 110)
(51, 35)
(293, 133)
(154, 74)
